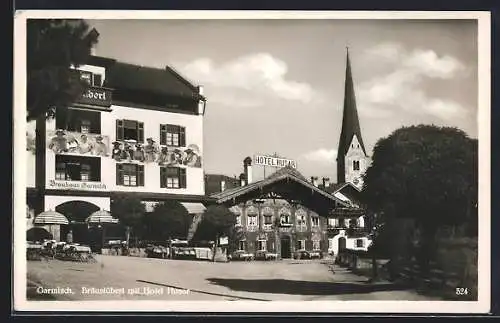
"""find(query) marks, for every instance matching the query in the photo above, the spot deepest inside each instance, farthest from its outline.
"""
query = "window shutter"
(119, 130)
(162, 177)
(97, 80)
(140, 131)
(182, 136)
(182, 178)
(163, 134)
(140, 175)
(119, 174)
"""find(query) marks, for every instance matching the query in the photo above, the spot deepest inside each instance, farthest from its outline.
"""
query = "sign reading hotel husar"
(274, 161)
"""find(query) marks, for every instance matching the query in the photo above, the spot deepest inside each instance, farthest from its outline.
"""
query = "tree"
(426, 173)
(169, 220)
(53, 46)
(217, 221)
(130, 212)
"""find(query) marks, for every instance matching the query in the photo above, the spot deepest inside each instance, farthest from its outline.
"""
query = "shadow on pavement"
(300, 287)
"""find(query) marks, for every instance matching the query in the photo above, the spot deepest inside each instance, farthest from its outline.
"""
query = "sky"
(277, 86)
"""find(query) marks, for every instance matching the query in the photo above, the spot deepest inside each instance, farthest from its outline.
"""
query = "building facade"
(137, 131)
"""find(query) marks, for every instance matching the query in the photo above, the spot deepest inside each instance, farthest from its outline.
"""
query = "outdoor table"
(314, 254)
(272, 256)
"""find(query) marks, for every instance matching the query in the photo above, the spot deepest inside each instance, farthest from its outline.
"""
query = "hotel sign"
(80, 186)
(96, 96)
(274, 161)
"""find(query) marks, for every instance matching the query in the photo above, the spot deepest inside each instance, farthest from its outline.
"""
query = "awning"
(194, 208)
(50, 217)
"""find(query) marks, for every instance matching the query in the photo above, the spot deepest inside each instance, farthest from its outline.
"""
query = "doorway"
(286, 247)
(342, 244)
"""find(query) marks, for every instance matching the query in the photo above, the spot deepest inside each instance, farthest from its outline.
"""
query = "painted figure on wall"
(150, 150)
(164, 157)
(59, 143)
(192, 158)
(100, 148)
(139, 153)
(116, 152)
(85, 145)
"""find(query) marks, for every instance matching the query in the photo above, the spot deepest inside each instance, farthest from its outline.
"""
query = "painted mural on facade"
(65, 142)
(151, 152)
(74, 143)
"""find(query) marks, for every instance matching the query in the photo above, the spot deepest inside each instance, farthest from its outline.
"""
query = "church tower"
(352, 160)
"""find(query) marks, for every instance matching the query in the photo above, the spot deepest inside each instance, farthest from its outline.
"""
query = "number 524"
(461, 291)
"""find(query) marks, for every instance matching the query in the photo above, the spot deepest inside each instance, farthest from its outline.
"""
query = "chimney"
(222, 186)
(242, 179)
(326, 182)
(200, 89)
(247, 169)
(314, 180)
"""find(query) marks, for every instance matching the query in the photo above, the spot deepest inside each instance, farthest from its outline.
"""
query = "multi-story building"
(137, 131)
(283, 213)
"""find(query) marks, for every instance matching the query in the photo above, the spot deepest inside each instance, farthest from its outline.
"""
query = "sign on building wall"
(74, 185)
(96, 96)
(274, 161)
(75, 143)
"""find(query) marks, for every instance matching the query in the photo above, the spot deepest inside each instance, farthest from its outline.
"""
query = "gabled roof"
(125, 76)
(282, 174)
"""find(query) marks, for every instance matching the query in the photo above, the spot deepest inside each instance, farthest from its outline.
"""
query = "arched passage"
(76, 212)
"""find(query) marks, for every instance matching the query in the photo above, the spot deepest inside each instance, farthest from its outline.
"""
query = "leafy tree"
(130, 212)
(53, 46)
(169, 220)
(426, 173)
(217, 221)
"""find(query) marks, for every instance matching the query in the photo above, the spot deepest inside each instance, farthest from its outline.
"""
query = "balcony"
(97, 97)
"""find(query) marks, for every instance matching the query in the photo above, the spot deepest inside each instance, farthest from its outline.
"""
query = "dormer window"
(91, 78)
(355, 165)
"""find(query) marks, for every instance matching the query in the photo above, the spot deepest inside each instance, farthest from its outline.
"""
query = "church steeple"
(350, 124)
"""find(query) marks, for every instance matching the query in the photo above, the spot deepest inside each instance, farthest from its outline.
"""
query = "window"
(355, 165)
(268, 220)
(85, 172)
(85, 126)
(360, 243)
(242, 245)
(73, 168)
(342, 223)
(301, 245)
(172, 135)
(268, 216)
(301, 218)
(83, 121)
(316, 245)
(130, 175)
(262, 245)
(130, 130)
(333, 222)
(285, 217)
(172, 177)
(91, 78)
(237, 213)
(315, 221)
(252, 220)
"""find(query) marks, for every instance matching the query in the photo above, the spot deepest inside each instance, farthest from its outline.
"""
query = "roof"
(125, 76)
(284, 173)
(350, 119)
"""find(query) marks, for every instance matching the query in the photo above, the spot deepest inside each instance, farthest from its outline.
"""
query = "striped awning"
(194, 208)
(101, 216)
(50, 217)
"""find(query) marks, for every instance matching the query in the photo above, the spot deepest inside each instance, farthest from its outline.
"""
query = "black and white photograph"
(305, 162)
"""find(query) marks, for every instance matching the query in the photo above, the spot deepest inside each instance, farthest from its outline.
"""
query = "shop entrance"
(285, 247)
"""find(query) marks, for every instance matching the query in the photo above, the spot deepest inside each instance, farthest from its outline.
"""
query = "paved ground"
(115, 277)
